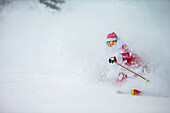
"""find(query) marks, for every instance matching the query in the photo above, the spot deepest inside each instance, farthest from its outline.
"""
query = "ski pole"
(147, 80)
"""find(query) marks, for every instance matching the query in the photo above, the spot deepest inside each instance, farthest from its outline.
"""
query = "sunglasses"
(111, 43)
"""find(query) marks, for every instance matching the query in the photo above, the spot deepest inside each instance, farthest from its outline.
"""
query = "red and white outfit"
(125, 57)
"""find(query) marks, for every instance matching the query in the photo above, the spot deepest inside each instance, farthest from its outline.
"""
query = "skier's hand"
(112, 59)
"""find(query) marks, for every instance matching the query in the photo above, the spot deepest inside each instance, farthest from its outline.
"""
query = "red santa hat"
(112, 36)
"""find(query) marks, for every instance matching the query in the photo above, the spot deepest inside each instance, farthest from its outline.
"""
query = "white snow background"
(57, 61)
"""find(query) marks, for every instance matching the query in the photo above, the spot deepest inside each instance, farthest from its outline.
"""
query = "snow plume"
(57, 61)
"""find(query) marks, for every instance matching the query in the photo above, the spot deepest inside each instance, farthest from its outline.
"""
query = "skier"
(123, 55)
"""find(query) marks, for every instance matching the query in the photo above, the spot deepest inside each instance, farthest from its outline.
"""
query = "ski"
(133, 92)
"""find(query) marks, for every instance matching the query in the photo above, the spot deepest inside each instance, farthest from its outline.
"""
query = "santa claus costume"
(123, 55)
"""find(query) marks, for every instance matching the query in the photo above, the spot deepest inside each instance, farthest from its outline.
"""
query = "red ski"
(133, 92)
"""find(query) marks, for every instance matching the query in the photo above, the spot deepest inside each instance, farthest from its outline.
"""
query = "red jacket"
(129, 58)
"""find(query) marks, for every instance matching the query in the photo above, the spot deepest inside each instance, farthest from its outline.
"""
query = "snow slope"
(57, 62)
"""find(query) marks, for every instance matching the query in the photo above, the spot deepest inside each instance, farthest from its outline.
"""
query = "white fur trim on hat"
(111, 39)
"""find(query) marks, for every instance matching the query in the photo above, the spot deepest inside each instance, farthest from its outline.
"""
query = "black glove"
(112, 59)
